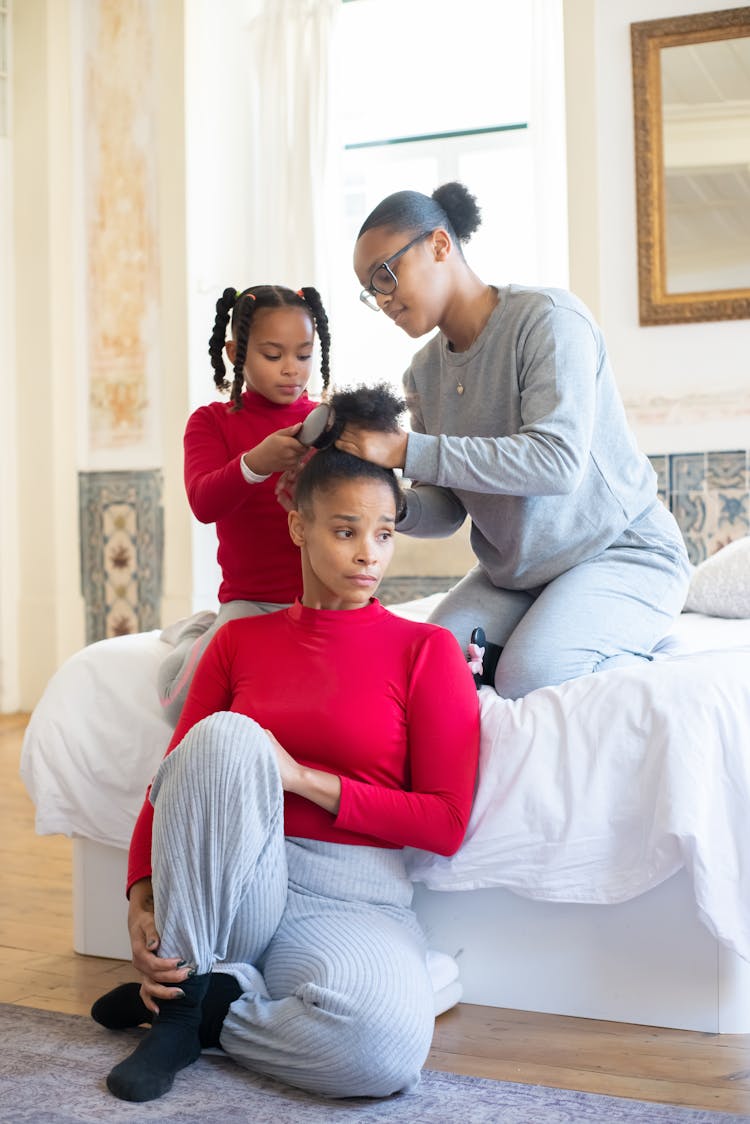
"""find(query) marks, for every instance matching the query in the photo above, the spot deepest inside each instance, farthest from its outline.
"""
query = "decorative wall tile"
(121, 551)
(727, 470)
(689, 509)
(660, 466)
(687, 472)
(709, 496)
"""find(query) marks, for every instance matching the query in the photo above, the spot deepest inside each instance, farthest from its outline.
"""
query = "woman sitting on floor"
(270, 910)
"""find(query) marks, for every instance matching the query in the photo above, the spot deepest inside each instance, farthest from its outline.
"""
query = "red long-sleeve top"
(387, 704)
(258, 560)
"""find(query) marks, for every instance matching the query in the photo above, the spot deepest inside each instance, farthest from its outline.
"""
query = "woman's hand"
(385, 449)
(323, 789)
(161, 978)
(279, 451)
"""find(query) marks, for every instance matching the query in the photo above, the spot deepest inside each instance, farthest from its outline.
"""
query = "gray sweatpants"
(338, 999)
(606, 612)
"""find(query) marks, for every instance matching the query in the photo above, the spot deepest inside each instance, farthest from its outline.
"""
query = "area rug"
(52, 1070)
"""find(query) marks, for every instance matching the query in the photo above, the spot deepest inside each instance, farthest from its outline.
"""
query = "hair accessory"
(300, 293)
(476, 658)
(245, 293)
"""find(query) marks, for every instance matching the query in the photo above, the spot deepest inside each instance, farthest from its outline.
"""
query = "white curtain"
(293, 150)
(548, 124)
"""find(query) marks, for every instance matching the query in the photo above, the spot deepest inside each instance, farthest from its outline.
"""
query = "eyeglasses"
(383, 280)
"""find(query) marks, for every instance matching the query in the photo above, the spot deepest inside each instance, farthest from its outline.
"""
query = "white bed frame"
(649, 960)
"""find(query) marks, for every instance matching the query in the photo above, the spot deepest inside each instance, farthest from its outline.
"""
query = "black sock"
(123, 1007)
(492, 653)
(222, 991)
(172, 1043)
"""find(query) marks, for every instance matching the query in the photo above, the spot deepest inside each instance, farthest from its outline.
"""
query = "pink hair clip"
(476, 659)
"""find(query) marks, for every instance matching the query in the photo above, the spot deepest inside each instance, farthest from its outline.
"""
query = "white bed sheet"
(593, 791)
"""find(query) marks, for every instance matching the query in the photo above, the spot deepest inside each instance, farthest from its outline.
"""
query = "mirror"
(691, 91)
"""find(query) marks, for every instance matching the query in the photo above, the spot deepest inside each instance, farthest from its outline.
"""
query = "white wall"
(686, 387)
(47, 582)
(43, 428)
(9, 560)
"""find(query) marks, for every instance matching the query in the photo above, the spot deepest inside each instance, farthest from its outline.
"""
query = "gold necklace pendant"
(459, 388)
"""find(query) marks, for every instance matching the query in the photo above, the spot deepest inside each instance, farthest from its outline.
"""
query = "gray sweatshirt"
(536, 449)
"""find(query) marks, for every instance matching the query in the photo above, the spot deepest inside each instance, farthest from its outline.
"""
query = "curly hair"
(243, 306)
(375, 407)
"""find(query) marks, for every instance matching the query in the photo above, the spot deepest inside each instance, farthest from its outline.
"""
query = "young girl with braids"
(516, 421)
(234, 454)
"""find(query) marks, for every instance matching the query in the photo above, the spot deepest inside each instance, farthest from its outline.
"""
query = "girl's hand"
(385, 449)
(161, 977)
(287, 482)
(277, 452)
(285, 488)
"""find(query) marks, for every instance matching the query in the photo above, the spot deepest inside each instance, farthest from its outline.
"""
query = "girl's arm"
(214, 481)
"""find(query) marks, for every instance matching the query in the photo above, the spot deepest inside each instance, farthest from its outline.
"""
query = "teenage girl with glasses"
(234, 455)
(516, 421)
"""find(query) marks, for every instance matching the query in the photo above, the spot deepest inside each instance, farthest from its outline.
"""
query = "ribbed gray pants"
(342, 1001)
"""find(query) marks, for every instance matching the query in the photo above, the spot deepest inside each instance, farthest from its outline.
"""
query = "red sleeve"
(443, 733)
(210, 691)
(213, 477)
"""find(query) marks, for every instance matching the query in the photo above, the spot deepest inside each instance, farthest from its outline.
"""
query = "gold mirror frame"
(656, 305)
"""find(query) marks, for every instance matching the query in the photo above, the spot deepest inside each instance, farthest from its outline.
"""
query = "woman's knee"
(380, 1056)
(219, 748)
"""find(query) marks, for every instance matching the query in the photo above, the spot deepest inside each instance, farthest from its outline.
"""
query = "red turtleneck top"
(387, 704)
(258, 560)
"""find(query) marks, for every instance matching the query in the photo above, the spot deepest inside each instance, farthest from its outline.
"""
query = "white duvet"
(594, 791)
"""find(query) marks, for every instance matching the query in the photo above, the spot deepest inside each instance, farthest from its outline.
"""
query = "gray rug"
(52, 1070)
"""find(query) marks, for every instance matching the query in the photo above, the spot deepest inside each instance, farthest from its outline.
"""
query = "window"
(425, 98)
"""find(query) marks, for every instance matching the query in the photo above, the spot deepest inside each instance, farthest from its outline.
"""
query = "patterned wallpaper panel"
(122, 540)
(709, 496)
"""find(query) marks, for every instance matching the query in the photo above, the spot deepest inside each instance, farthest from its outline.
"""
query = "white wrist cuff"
(249, 475)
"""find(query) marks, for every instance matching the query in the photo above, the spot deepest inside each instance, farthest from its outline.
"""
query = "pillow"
(720, 586)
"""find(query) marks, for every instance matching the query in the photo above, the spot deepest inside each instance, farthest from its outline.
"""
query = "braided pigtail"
(224, 306)
(312, 299)
(242, 319)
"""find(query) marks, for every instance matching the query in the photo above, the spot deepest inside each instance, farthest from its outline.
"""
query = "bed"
(606, 868)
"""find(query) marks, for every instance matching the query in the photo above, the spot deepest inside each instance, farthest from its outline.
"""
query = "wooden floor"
(39, 969)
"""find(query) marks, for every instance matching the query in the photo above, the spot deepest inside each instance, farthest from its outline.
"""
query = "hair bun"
(461, 208)
(374, 407)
